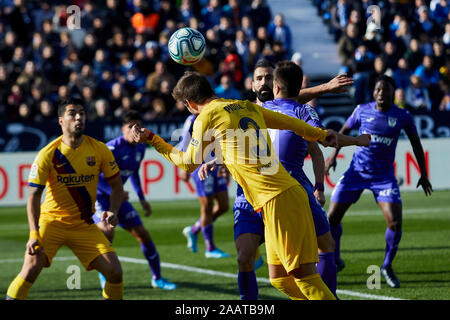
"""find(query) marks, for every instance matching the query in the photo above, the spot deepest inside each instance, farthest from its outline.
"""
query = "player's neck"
(72, 141)
(383, 108)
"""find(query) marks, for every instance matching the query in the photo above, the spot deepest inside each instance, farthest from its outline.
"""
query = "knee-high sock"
(327, 270)
(336, 233)
(288, 286)
(392, 241)
(248, 288)
(152, 256)
(18, 289)
(197, 226)
(314, 288)
(208, 235)
(113, 291)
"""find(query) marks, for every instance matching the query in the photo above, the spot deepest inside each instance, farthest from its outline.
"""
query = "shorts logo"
(388, 192)
(392, 122)
(90, 161)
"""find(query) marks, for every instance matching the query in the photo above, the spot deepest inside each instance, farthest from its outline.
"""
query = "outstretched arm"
(340, 83)
(420, 156)
(276, 120)
(331, 163)
(187, 161)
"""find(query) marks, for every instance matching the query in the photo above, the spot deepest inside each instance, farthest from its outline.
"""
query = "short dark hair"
(131, 115)
(193, 86)
(387, 79)
(289, 77)
(264, 63)
(71, 101)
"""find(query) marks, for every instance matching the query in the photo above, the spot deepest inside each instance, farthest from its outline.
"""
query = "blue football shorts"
(350, 186)
(211, 185)
(127, 215)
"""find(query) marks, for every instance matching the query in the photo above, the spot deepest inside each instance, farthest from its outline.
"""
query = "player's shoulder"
(307, 111)
(114, 143)
(95, 144)
(50, 148)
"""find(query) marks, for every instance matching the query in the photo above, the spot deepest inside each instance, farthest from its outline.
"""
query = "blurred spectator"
(445, 102)
(247, 93)
(417, 95)
(414, 55)
(340, 13)
(347, 46)
(259, 13)
(247, 27)
(211, 14)
(25, 114)
(297, 58)
(399, 99)
(46, 112)
(158, 111)
(280, 32)
(226, 89)
(101, 112)
(179, 112)
(402, 74)
(155, 78)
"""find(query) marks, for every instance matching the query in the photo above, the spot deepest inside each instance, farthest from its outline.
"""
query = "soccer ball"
(187, 46)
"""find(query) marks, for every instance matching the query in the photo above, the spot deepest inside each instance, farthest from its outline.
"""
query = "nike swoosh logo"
(370, 119)
(60, 165)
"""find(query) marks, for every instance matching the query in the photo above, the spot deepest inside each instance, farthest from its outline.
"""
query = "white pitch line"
(215, 273)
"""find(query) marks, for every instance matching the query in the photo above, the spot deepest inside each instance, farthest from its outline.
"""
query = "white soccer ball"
(187, 46)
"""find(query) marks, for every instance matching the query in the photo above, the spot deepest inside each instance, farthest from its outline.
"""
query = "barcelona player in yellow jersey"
(69, 167)
(239, 131)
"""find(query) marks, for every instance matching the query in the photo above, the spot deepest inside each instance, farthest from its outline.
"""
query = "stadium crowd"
(118, 58)
(406, 39)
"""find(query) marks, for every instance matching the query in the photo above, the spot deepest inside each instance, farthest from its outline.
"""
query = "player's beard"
(264, 96)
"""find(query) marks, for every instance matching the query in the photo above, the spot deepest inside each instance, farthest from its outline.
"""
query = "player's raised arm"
(419, 154)
(340, 83)
(276, 120)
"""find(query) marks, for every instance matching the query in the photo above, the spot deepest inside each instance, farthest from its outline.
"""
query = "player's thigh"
(246, 245)
(53, 235)
(277, 271)
(325, 242)
(88, 242)
(392, 212)
(222, 200)
(289, 230)
(140, 233)
(336, 211)
(108, 264)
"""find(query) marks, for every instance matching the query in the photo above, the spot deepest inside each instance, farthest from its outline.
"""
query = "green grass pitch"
(422, 263)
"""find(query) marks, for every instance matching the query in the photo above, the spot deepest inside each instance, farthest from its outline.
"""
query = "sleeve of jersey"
(310, 116)
(39, 171)
(190, 159)
(353, 120)
(276, 120)
(108, 165)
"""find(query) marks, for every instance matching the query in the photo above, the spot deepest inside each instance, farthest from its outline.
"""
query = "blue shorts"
(246, 221)
(352, 184)
(211, 185)
(127, 215)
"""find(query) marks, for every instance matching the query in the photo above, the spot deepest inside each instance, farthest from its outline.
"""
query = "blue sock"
(392, 241)
(336, 233)
(327, 270)
(248, 288)
(208, 235)
(152, 256)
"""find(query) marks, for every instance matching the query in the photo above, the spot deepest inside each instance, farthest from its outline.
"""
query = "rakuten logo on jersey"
(71, 180)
